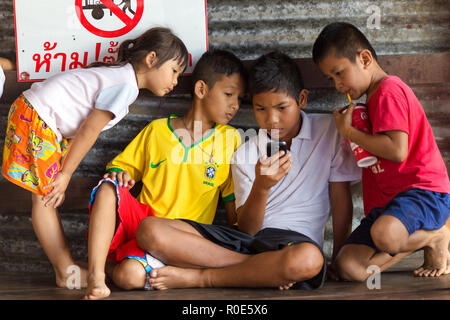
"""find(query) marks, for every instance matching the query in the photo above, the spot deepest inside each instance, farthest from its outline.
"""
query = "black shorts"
(267, 239)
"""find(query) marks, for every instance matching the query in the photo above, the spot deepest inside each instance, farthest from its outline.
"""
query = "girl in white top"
(54, 124)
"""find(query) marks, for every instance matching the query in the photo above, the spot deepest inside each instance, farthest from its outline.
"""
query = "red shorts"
(129, 212)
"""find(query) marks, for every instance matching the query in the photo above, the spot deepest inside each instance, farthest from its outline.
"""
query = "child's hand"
(123, 178)
(56, 196)
(344, 120)
(269, 171)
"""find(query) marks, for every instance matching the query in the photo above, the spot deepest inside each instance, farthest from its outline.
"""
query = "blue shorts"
(417, 209)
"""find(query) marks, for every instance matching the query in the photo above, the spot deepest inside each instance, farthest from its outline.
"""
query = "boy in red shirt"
(406, 193)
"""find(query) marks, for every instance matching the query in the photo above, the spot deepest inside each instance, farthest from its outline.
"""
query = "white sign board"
(54, 36)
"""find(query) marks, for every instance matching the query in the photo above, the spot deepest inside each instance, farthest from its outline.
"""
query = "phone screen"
(275, 146)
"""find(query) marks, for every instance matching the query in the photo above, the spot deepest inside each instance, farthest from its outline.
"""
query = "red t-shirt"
(393, 106)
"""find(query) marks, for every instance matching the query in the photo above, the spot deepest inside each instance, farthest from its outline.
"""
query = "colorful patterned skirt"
(32, 153)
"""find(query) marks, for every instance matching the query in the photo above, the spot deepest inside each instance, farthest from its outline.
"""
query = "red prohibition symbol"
(97, 8)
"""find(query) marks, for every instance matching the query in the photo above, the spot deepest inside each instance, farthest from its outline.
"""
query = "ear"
(303, 99)
(201, 89)
(151, 59)
(365, 57)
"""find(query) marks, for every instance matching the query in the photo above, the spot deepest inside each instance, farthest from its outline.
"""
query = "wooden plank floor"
(397, 283)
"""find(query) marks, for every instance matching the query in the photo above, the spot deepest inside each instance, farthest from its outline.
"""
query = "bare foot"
(74, 277)
(427, 267)
(436, 256)
(173, 277)
(96, 288)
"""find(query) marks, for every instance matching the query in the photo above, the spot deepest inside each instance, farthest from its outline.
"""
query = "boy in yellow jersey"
(282, 201)
(183, 163)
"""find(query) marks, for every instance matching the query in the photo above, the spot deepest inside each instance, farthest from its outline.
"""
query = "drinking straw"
(349, 98)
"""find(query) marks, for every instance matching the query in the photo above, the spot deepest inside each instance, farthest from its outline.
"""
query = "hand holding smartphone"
(275, 146)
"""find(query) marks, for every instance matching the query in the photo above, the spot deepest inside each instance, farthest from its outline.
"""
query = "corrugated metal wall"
(250, 28)
(253, 27)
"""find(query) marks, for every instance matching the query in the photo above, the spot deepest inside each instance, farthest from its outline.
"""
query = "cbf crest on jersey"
(210, 174)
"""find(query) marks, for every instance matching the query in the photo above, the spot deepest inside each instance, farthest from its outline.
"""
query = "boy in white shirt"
(282, 201)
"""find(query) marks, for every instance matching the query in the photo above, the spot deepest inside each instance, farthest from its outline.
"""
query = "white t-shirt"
(2, 81)
(65, 100)
(300, 200)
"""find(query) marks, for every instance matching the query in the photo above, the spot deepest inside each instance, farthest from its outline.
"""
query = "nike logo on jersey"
(157, 164)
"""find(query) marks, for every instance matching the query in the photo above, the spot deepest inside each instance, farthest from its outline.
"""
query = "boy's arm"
(391, 145)
(229, 199)
(268, 171)
(251, 214)
(341, 212)
(134, 157)
(230, 209)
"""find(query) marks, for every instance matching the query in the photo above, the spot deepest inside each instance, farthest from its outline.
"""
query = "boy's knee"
(303, 261)
(106, 189)
(147, 234)
(349, 267)
(106, 193)
(129, 275)
(388, 234)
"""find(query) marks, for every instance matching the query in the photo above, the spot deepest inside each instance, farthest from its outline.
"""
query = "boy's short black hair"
(275, 71)
(215, 64)
(344, 38)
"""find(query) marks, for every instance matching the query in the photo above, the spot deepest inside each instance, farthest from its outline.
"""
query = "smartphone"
(275, 146)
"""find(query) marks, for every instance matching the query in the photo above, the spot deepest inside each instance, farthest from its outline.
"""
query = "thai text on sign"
(54, 36)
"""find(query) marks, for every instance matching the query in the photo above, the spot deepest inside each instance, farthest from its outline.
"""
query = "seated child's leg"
(102, 222)
(413, 220)
(114, 217)
(276, 268)
(49, 231)
(354, 260)
(129, 275)
(178, 243)
(360, 252)
(389, 234)
(390, 238)
(300, 260)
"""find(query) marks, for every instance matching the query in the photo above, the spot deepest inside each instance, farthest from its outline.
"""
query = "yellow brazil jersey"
(181, 181)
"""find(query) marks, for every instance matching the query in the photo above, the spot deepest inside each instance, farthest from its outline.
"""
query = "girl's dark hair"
(215, 64)
(344, 38)
(162, 41)
(275, 71)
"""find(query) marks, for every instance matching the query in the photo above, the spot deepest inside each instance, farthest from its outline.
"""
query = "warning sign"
(54, 36)
(126, 16)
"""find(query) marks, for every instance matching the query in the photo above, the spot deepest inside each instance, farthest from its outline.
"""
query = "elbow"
(399, 155)
(88, 132)
(246, 229)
